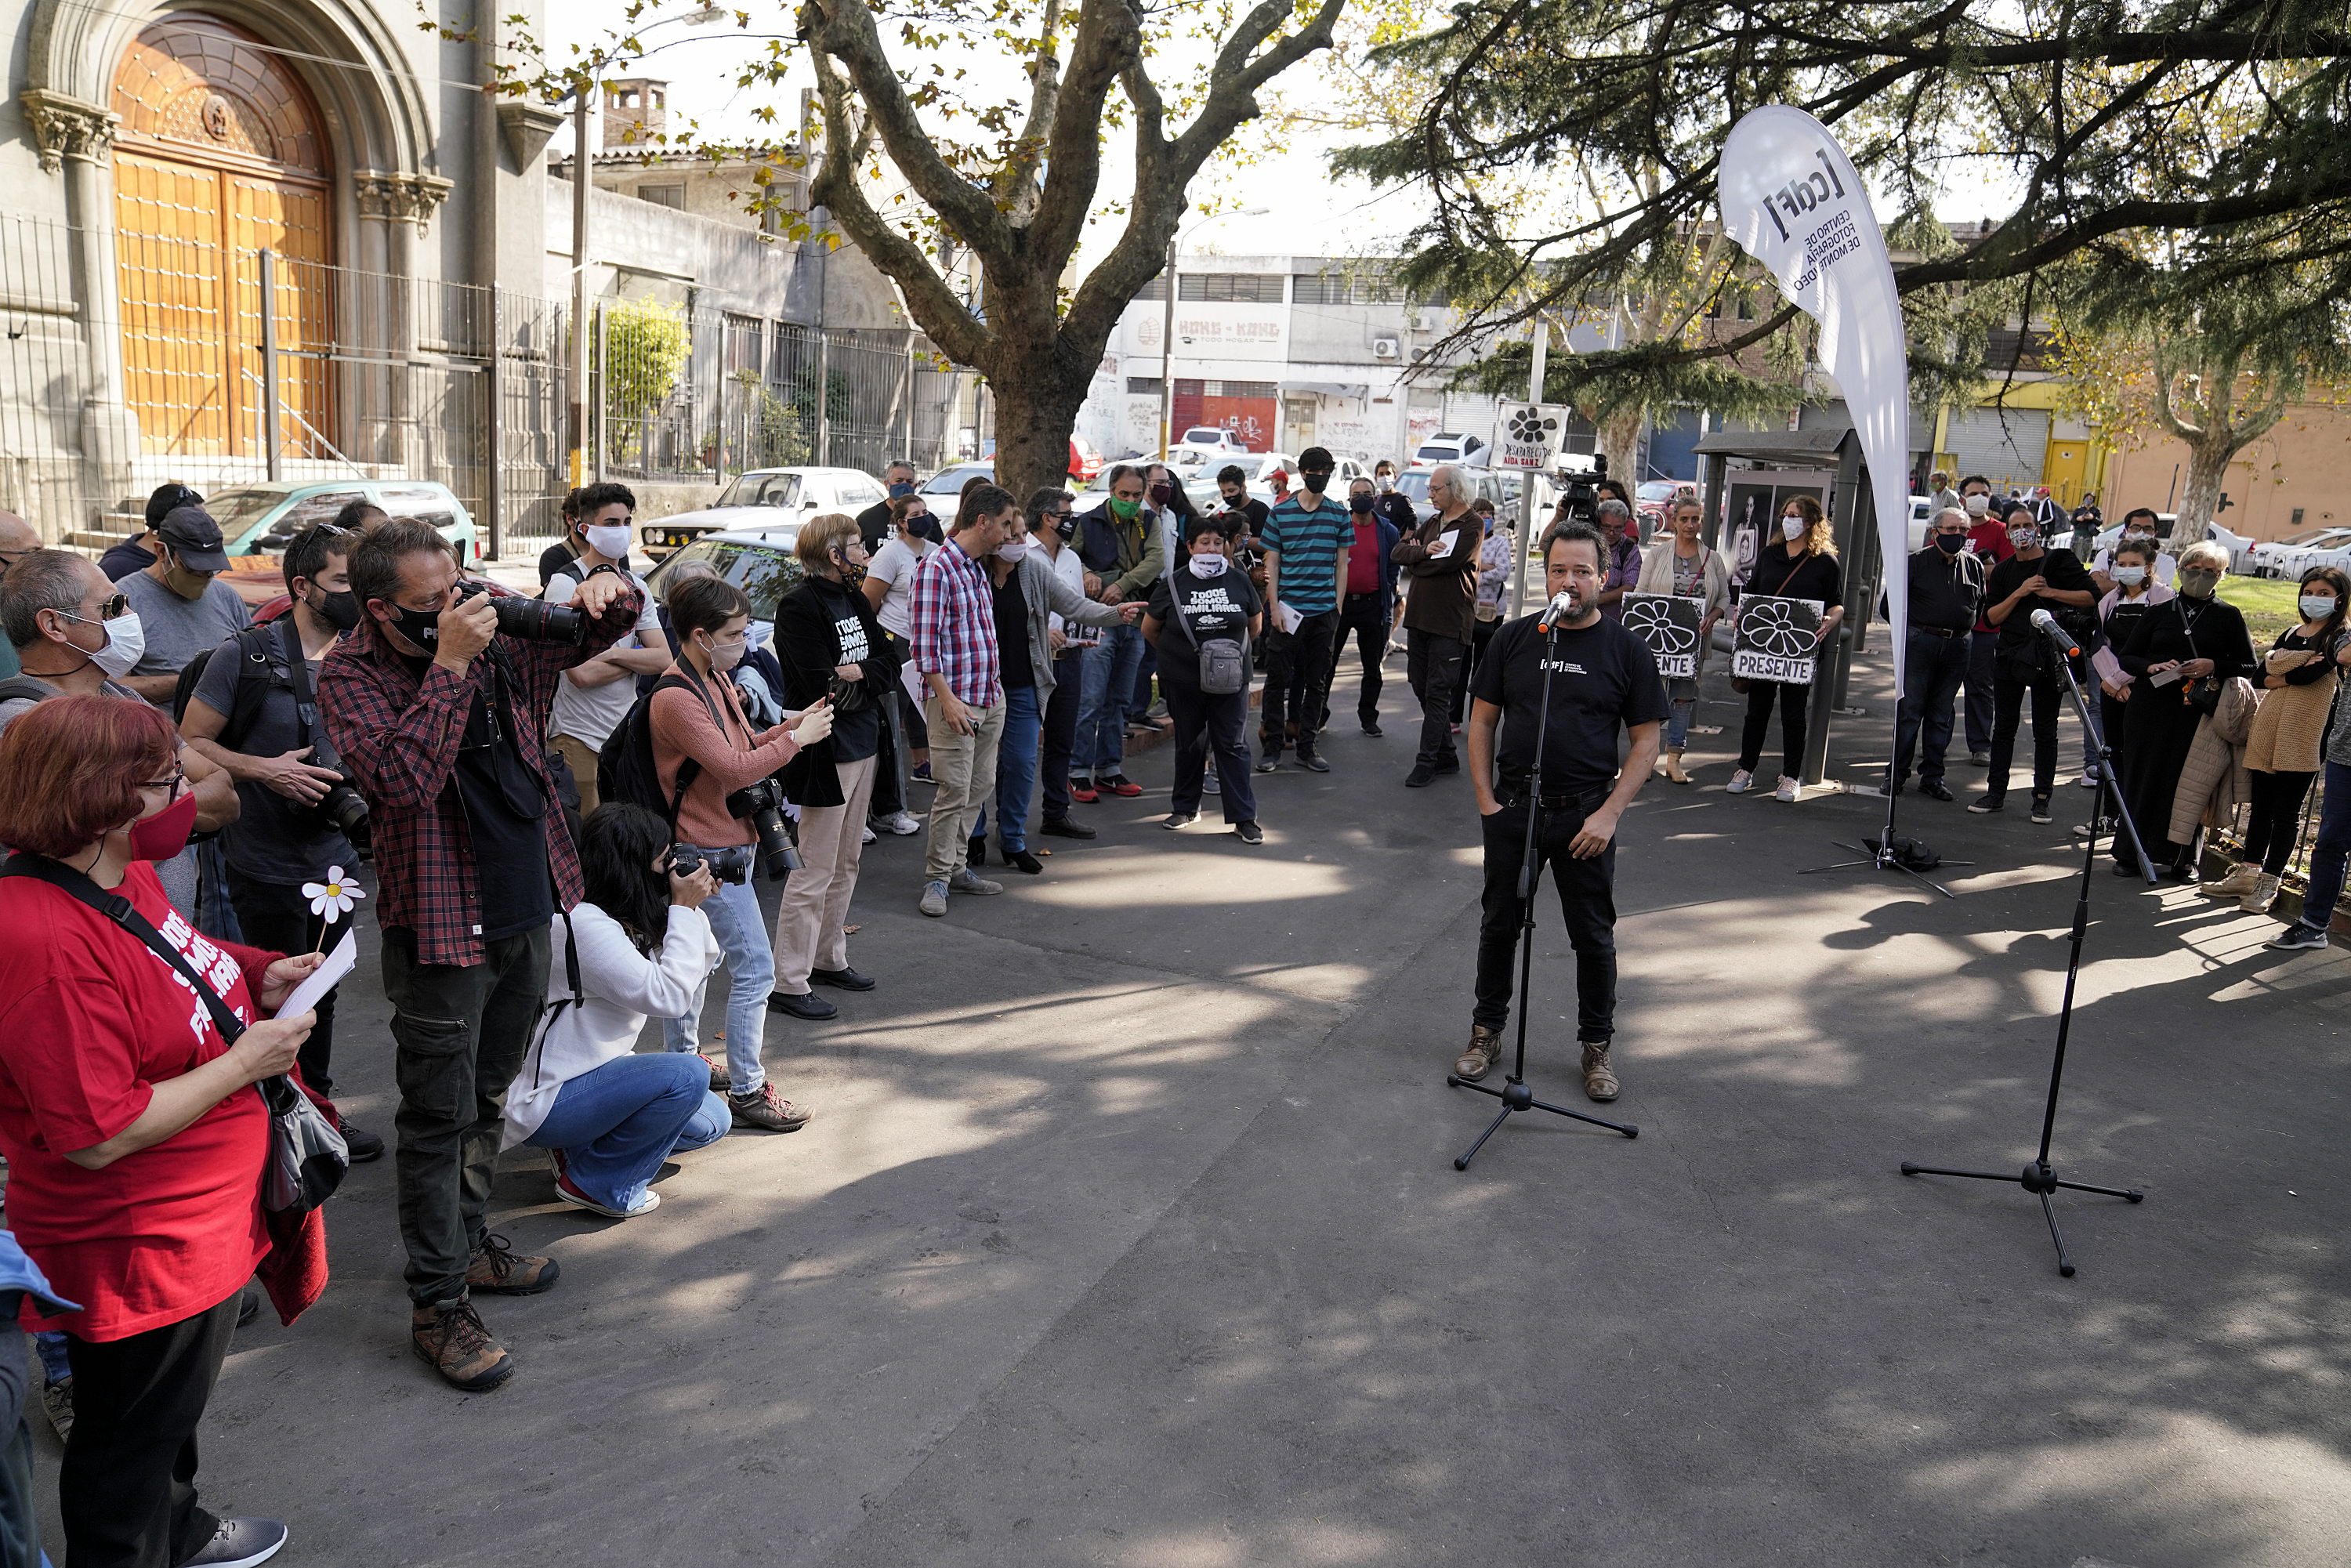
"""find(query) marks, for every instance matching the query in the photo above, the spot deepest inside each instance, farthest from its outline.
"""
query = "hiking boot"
(501, 1271)
(2265, 893)
(934, 898)
(1671, 767)
(1599, 1083)
(764, 1108)
(967, 879)
(1478, 1060)
(721, 1079)
(452, 1340)
(2237, 882)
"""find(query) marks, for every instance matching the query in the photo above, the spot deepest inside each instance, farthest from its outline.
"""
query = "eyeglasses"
(179, 776)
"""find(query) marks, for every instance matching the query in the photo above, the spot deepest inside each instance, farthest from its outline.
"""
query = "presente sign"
(1527, 435)
(1777, 640)
(1669, 626)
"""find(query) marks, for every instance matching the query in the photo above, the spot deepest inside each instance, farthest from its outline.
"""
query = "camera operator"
(1602, 677)
(254, 712)
(703, 742)
(438, 708)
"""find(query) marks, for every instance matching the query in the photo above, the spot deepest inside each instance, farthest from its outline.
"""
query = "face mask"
(1066, 527)
(2023, 539)
(925, 527)
(188, 585)
(126, 644)
(2198, 583)
(1794, 528)
(609, 540)
(1012, 549)
(340, 610)
(164, 835)
(2130, 576)
(1359, 504)
(1210, 565)
(1160, 492)
(1123, 510)
(727, 655)
(902, 488)
(2314, 608)
(1314, 483)
(1950, 544)
(1977, 506)
(421, 627)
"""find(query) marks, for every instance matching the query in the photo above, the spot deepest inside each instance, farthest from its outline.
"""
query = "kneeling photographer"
(254, 712)
(721, 774)
(438, 702)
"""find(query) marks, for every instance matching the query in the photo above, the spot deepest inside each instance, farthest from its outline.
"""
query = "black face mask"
(1950, 544)
(340, 610)
(1066, 525)
(421, 627)
(925, 528)
(1359, 504)
(1314, 483)
(1159, 493)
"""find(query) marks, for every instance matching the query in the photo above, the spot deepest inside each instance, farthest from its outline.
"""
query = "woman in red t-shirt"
(134, 1137)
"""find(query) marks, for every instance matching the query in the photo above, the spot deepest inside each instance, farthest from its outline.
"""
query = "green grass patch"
(2268, 604)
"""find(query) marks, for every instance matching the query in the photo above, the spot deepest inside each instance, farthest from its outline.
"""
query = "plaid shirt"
(953, 613)
(399, 739)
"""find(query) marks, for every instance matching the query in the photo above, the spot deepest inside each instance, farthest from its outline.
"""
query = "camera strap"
(297, 671)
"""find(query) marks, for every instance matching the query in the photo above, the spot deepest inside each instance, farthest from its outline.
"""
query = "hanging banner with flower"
(1778, 639)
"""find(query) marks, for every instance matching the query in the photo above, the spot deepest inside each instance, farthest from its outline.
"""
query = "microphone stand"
(1881, 854)
(2040, 1178)
(1515, 1095)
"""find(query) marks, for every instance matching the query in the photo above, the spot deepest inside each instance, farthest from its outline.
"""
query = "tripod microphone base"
(1516, 1096)
(2040, 1179)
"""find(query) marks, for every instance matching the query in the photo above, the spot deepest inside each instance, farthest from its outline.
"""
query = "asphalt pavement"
(1127, 1231)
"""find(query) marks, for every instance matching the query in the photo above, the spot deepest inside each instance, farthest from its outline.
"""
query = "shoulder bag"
(307, 1157)
(1223, 661)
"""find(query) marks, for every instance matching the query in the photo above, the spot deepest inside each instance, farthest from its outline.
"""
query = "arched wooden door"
(220, 156)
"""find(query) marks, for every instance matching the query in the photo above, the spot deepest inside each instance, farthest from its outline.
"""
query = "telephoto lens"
(533, 620)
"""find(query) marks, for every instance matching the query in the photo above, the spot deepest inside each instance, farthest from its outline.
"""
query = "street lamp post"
(1167, 327)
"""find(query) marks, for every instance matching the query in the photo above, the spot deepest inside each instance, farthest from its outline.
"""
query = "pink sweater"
(730, 758)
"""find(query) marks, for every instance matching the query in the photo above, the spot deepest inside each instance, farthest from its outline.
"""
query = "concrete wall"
(2304, 464)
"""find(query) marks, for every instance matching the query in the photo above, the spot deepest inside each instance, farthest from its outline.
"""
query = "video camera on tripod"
(1578, 493)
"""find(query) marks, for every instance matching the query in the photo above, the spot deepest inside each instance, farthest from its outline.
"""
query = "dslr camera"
(344, 809)
(762, 806)
(531, 620)
(730, 864)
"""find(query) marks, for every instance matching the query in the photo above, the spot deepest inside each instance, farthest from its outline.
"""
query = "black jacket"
(807, 647)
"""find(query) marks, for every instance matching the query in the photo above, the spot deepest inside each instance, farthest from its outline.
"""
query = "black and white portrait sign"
(1778, 639)
(1669, 626)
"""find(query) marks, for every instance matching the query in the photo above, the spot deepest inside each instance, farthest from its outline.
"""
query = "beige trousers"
(814, 909)
(583, 758)
(965, 767)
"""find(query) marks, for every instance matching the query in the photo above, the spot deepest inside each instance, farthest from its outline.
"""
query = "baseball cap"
(194, 537)
(168, 498)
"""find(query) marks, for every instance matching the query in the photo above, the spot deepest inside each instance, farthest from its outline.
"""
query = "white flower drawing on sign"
(1652, 621)
(1772, 627)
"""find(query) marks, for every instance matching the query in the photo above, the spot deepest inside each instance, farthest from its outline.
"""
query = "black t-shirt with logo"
(2059, 569)
(1604, 680)
(1213, 607)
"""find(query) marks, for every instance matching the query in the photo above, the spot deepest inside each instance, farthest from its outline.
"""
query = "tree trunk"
(2207, 466)
(1620, 438)
(1036, 410)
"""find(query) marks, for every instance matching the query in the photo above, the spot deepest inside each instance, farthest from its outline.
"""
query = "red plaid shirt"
(953, 615)
(400, 737)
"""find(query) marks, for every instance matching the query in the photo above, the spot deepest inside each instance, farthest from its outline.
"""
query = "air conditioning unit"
(1386, 348)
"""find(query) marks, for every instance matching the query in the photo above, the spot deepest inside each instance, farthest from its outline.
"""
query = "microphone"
(2047, 624)
(1563, 608)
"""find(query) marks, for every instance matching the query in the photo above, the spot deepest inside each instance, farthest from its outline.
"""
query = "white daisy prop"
(332, 898)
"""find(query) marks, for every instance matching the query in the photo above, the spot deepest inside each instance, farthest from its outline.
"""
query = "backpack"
(625, 769)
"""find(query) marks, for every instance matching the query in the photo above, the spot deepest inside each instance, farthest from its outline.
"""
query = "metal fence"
(172, 356)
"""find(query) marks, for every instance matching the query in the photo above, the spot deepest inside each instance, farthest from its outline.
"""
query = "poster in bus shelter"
(1669, 626)
(1777, 640)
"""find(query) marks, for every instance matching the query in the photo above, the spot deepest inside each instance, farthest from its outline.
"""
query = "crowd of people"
(569, 799)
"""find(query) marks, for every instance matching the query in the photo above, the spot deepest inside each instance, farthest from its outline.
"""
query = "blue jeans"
(1016, 770)
(1933, 670)
(616, 1123)
(742, 933)
(1108, 682)
(1681, 701)
(2327, 856)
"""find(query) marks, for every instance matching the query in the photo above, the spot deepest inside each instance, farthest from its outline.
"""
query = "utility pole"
(1527, 485)
(582, 161)
(1168, 356)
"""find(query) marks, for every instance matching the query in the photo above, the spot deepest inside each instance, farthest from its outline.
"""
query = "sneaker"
(1249, 833)
(57, 1398)
(1741, 782)
(1985, 803)
(1120, 785)
(1177, 820)
(1208, 785)
(363, 1144)
(1599, 1083)
(1478, 1060)
(578, 1199)
(2089, 778)
(1787, 788)
(1083, 791)
(922, 774)
(934, 898)
(501, 1271)
(870, 834)
(1269, 763)
(240, 1543)
(1372, 728)
(967, 879)
(805, 1005)
(2263, 893)
(2295, 938)
(2040, 810)
(1063, 827)
(1978, 758)
(1312, 763)
(452, 1340)
(1421, 776)
(1448, 763)
(764, 1108)
(902, 823)
(2238, 883)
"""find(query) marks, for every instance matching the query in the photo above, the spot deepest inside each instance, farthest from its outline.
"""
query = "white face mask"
(126, 644)
(1209, 565)
(2023, 539)
(2130, 576)
(2314, 608)
(1012, 549)
(1978, 506)
(609, 540)
(1794, 528)
(727, 655)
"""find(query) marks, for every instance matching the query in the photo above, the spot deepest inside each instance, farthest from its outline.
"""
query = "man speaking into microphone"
(1603, 678)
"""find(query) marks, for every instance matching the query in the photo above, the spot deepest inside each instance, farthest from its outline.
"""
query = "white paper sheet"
(1443, 545)
(320, 980)
(1285, 619)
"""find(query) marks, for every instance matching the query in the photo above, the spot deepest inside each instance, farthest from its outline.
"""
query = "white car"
(1451, 447)
(1922, 515)
(2240, 548)
(2282, 558)
(764, 498)
(1344, 471)
(1212, 438)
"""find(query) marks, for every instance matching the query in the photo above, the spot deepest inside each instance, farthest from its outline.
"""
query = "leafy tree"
(646, 345)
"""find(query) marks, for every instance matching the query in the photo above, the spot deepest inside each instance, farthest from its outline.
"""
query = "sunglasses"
(107, 611)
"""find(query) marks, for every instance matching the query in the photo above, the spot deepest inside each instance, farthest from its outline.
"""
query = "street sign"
(1527, 435)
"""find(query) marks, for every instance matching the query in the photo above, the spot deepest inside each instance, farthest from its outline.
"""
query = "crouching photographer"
(255, 711)
(721, 776)
(438, 702)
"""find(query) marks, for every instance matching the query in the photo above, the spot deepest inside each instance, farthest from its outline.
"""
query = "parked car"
(2239, 547)
(2282, 557)
(1451, 447)
(1084, 461)
(1485, 483)
(942, 488)
(759, 560)
(753, 499)
(1212, 438)
(1199, 485)
(1653, 502)
(1922, 514)
(262, 518)
(1344, 471)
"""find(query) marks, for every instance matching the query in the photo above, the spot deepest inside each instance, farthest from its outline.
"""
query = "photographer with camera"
(726, 805)
(437, 701)
(255, 712)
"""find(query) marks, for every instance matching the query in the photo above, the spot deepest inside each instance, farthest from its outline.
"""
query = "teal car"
(260, 520)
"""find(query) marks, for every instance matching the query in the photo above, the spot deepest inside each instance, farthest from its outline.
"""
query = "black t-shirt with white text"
(2060, 569)
(1213, 607)
(1604, 680)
